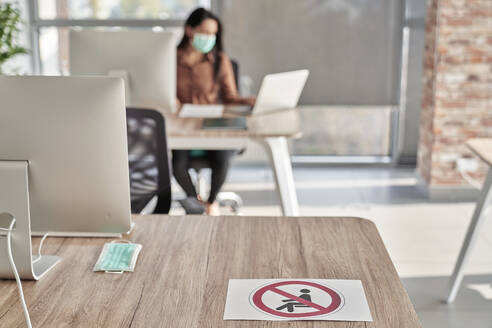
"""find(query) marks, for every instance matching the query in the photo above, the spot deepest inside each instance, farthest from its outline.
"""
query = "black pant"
(219, 163)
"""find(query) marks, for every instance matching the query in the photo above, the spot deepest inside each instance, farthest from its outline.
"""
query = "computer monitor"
(146, 60)
(63, 159)
(72, 133)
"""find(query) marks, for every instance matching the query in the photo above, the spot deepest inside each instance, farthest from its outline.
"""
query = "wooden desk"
(271, 130)
(182, 274)
(482, 147)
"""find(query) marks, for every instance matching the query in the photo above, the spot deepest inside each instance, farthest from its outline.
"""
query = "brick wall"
(457, 86)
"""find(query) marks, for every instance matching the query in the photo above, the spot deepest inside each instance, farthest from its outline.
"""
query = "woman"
(205, 76)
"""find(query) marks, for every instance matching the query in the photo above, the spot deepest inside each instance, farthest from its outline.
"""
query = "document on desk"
(296, 299)
(191, 110)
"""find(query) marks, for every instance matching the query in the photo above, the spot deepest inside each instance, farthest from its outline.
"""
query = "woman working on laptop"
(205, 76)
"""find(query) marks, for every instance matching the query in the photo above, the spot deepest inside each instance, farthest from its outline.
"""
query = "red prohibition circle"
(336, 299)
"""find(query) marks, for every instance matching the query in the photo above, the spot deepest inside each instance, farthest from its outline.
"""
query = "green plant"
(10, 22)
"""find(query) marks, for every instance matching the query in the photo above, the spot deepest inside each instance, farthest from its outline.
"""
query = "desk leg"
(278, 151)
(484, 200)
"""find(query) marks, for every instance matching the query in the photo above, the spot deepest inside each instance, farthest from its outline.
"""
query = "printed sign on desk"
(296, 299)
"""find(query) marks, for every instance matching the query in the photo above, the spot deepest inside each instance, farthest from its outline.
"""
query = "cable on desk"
(40, 247)
(16, 274)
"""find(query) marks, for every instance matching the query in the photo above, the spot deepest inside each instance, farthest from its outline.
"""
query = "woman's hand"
(179, 105)
(250, 101)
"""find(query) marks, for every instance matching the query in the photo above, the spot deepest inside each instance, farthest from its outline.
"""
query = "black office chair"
(228, 199)
(235, 68)
(148, 160)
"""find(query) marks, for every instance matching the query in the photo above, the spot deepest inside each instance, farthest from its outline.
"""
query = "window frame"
(36, 23)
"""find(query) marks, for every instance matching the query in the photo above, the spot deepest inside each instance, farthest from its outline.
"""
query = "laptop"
(277, 91)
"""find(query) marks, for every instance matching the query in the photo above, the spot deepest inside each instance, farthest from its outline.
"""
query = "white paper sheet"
(190, 110)
(296, 299)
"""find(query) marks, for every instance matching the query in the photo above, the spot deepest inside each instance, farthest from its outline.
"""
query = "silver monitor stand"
(14, 200)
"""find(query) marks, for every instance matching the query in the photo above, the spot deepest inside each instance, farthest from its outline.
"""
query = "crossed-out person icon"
(291, 304)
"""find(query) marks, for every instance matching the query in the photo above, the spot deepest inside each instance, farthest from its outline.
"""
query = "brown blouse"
(196, 83)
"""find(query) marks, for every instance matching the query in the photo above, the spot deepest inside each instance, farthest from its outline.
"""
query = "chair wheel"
(230, 199)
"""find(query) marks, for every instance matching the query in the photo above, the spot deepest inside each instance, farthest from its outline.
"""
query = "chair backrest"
(148, 159)
(235, 68)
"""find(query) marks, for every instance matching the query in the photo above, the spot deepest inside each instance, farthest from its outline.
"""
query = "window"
(341, 116)
(117, 9)
(53, 19)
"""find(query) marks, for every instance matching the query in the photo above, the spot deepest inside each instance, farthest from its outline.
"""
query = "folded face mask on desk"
(118, 256)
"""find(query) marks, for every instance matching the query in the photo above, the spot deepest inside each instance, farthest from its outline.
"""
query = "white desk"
(482, 148)
(269, 130)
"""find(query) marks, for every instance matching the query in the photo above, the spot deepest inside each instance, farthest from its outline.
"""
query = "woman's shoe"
(192, 205)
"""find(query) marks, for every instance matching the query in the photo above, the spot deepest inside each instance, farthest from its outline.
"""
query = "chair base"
(230, 199)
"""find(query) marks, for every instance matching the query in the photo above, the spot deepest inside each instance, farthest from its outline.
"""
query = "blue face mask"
(203, 42)
(118, 256)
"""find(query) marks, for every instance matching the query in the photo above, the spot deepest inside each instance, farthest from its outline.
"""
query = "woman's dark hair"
(196, 18)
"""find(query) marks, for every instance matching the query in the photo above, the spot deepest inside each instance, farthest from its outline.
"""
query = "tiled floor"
(423, 238)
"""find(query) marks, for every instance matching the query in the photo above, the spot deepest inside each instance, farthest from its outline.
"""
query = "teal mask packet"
(118, 256)
(203, 42)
